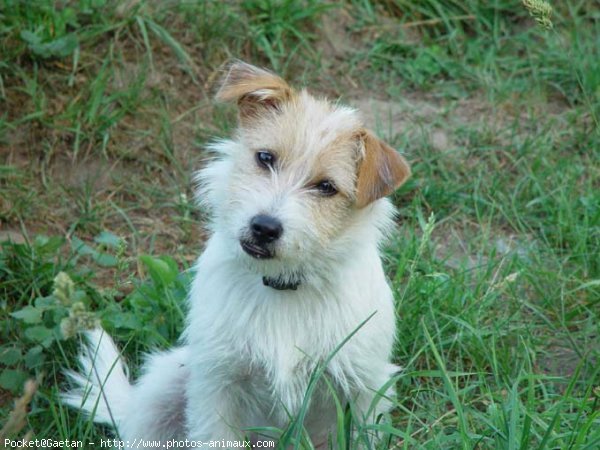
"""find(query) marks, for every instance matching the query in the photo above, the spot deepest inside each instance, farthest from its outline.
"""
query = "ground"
(105, 110)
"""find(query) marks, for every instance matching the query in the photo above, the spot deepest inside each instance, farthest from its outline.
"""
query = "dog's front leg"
(214, 417)
(216, 407)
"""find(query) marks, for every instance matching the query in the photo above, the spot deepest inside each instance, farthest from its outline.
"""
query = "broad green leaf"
(29, 314)
(39, 334)
(123, 320)
(10, 355)
(108, 239)
(34, 357)
(60, 47)
(104, 259)
(12, 380)
(45, 302)
(30, 38)
(161, 271)
(81, 247)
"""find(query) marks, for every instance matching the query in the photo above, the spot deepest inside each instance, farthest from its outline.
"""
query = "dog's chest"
(283, 333)
(271, 341)
(266, 333)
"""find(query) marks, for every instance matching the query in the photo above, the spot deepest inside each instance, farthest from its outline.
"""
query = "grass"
(105, 108)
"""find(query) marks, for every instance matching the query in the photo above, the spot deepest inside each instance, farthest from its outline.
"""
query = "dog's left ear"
(381, 170)
(254, 89)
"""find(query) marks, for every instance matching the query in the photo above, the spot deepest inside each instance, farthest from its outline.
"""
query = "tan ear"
(255, 90)
(381, 171)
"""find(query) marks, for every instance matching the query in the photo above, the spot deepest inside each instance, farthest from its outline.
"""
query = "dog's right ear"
(255, 90)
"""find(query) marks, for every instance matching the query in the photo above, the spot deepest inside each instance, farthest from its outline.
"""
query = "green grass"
(104, 110)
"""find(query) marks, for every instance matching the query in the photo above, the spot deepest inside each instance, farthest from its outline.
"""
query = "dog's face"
(298, 175)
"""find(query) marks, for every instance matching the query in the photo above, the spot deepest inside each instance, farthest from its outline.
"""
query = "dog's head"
(300, 180)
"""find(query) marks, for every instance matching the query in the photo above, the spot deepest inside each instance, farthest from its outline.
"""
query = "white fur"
(249, 350)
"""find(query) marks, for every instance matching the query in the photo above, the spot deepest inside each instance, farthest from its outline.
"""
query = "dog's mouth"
(256, 251)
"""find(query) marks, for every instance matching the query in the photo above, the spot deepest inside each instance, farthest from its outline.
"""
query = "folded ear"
(255, 90)
(381, 170)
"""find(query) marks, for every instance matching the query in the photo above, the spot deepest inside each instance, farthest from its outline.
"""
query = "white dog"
(290, 271)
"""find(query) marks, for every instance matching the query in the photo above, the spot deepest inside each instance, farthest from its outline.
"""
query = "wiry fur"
(249, 350)
(102, 374)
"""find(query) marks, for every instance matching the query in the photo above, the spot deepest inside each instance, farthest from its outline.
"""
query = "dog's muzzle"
(256, 251)
(264, 231)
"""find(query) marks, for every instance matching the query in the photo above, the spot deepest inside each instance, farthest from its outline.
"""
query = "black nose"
(265, 228)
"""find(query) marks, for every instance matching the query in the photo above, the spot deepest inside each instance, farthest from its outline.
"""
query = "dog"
(290, 282)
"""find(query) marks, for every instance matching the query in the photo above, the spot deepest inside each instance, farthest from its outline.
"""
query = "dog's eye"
(265, 159)
(326, 188)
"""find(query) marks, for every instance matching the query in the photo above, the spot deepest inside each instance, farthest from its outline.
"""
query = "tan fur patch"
(336, 162)
(254, 89)
(381, 171)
